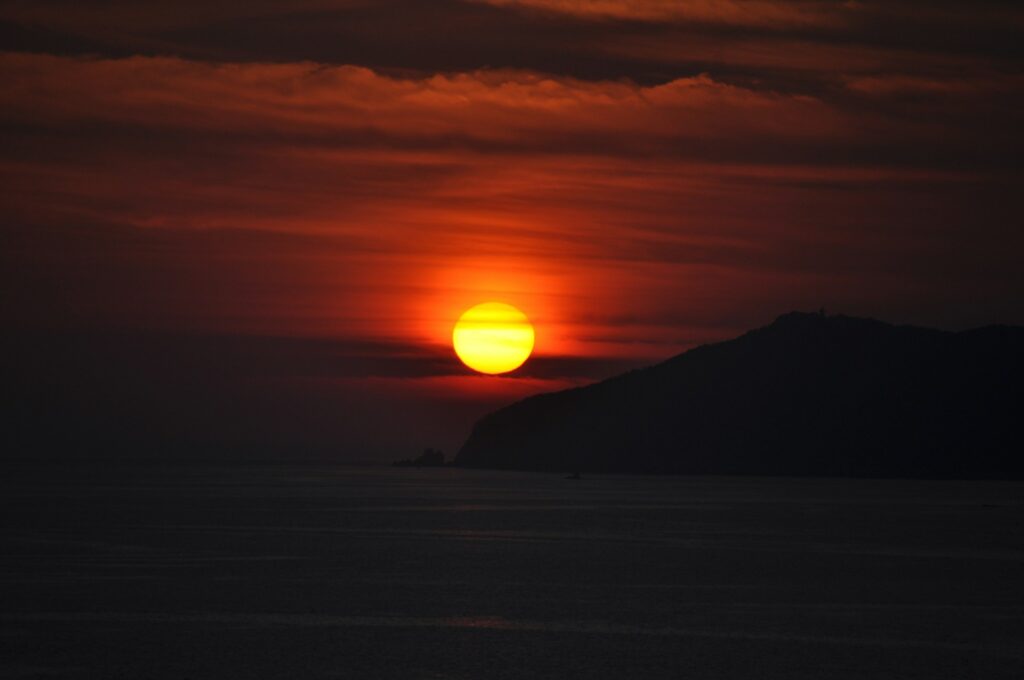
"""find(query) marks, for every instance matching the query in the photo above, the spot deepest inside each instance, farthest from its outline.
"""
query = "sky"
(244, 230)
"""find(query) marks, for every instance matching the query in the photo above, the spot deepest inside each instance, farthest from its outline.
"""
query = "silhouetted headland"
(808, 395)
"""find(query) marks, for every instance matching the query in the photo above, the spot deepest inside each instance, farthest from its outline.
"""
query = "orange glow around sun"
(493, 338)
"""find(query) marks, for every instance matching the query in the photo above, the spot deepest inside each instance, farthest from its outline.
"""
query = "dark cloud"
(168, 107)
(645, 42)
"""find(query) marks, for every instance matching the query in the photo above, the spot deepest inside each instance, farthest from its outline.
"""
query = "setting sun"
(493, 338)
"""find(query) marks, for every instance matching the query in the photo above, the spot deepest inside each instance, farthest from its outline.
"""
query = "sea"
(327, 571)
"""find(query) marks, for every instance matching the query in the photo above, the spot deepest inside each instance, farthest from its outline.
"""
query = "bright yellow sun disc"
(493, 338)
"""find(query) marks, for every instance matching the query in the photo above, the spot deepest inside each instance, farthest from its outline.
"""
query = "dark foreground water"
(333, 572)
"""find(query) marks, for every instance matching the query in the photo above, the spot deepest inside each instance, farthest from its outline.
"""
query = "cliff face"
(807, 395)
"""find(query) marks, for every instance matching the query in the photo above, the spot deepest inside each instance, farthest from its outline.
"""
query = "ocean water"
(342, 572)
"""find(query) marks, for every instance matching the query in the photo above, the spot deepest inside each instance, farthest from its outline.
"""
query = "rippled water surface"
(341, 572)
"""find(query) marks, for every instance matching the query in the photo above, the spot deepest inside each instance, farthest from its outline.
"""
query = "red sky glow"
(321, 188)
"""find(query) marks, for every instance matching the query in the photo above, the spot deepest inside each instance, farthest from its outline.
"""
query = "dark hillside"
(807, 395)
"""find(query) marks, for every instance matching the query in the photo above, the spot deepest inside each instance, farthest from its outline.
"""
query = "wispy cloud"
(694, 193)
(762, 13)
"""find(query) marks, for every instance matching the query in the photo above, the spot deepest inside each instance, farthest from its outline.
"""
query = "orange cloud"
(728, 12)
(627, 220)
(359, 107)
